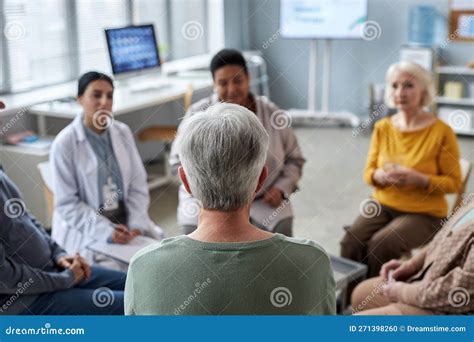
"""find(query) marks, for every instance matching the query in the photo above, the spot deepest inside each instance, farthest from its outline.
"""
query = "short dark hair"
(90, 77)
(228, 57)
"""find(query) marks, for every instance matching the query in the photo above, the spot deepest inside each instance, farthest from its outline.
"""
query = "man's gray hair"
(223, 151)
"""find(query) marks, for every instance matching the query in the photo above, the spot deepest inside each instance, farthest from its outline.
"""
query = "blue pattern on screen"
(133, 49)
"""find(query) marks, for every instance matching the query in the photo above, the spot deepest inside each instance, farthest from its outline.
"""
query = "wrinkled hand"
(273, 197)
(401, 270)
(401, 176)
(380, 177)
(392, 291)
(78, 265)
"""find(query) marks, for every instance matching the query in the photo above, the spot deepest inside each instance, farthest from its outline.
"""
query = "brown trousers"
(389, 235)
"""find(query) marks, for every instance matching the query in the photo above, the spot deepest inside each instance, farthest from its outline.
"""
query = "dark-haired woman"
(100, 189)
(272, 208)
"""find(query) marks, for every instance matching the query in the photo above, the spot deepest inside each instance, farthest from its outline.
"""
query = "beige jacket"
(284, 162)
(445, 283)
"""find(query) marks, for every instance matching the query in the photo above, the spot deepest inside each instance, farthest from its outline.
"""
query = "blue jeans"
(101, 294)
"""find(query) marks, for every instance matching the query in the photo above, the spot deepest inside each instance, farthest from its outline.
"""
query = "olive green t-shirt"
(275, 276)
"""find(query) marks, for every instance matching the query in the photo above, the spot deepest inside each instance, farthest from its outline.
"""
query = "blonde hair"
(418, 72)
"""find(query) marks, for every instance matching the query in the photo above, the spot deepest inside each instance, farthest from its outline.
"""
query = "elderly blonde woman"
(228, 265)
(271, 209)
(438, 280)
(413, 162)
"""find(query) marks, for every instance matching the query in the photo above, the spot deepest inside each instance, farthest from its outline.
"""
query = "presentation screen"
(322, 19)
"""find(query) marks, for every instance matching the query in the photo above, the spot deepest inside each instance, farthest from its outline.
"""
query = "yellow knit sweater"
(432, 150)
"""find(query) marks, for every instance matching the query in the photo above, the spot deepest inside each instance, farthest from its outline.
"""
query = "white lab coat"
(76, 220)
(284, 161)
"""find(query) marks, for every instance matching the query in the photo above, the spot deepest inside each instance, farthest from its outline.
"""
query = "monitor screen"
(322, 19)
(132, 48)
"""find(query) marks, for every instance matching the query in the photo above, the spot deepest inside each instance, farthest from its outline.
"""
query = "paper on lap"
(122, 253)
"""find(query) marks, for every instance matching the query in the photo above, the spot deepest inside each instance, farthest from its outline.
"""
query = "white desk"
(22, 161)
(125, 101)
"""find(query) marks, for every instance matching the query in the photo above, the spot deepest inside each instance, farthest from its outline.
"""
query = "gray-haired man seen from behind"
(227, 265)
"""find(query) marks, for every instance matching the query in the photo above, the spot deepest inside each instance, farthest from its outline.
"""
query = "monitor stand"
(144, 83)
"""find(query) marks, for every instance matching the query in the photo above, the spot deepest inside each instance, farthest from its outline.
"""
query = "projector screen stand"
(324, 117)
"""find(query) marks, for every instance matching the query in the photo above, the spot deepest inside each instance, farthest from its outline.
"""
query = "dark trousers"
(389, 235)
(101, 294)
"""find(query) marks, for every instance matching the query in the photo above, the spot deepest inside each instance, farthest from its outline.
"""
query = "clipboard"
(119, 252)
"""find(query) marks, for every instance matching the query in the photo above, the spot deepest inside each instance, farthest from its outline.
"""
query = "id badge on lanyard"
(110, 195)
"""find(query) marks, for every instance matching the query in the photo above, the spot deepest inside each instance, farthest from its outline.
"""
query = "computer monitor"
(133, 50)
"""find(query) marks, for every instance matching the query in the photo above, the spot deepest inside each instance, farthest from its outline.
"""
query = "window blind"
(36, 34)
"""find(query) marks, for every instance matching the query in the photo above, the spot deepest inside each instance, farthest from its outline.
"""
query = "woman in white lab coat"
(99, 181)
(271, 209)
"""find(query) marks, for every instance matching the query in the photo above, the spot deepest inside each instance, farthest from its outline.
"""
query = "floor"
(331, 189)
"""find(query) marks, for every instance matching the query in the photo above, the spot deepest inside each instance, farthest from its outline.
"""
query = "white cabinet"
(457, 112)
